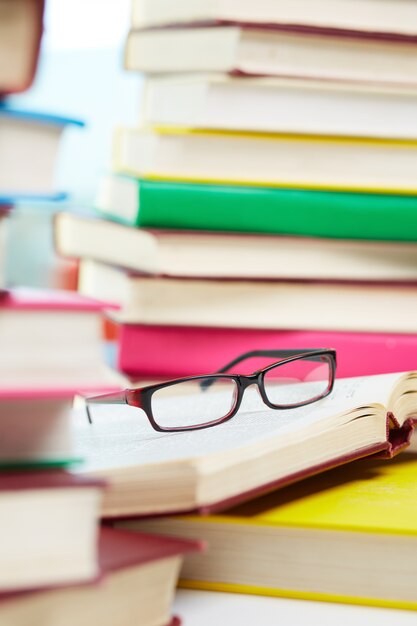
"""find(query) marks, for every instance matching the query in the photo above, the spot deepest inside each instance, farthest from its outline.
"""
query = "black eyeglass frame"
(141, 398)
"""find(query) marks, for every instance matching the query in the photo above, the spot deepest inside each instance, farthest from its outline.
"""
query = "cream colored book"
(272, 51)
(281, 105)
(270, 160)
(392, 16)
(210, 255)
(242, 303)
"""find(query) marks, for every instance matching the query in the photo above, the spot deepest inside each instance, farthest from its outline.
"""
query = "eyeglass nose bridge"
(254, 379)
(246, 381)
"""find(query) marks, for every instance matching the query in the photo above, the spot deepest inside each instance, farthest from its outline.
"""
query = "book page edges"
(216, 507)
(299, 595)
(382, 449)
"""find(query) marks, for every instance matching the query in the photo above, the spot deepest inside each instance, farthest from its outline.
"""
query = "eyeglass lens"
(196, 403)
(299, 381)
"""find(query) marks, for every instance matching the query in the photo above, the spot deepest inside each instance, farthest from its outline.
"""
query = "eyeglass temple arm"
(205, 384)
(118, 397)
(268, 353)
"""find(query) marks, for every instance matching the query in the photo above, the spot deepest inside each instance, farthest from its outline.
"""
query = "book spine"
(191, 350)
(285, 211)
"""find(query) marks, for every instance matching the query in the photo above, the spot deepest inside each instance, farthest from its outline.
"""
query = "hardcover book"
(346, 536)
(52, 340)
(35, 428)
(30, 143)
(243, 208)
(151, 351)
(49, 529)
(223, 102)
(152, 472)
(226, 255)
(268, 160)
(275, 50)
(138, 575)
(243, 303)
(369, 15)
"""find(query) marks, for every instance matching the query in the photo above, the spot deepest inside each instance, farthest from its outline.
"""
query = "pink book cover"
(26, 298)
(169, 351)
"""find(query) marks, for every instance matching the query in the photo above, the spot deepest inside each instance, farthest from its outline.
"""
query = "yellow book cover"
(267, 159)
(349, 535)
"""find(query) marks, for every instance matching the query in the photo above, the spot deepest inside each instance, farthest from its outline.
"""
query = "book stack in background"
(57, 564)
(50, 340)
(268, 198)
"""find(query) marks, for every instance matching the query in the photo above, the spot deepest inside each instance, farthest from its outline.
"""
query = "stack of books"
(30, 140)
(50, 340)
(57, 564)
(346, 536)
(267, 201)
(268, 198)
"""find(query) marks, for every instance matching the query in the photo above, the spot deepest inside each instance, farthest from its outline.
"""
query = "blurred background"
(80, 74)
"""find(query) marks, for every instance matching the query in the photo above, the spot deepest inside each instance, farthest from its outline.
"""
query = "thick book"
(30, 145)
(279, 105)
(243, 303)
(21, 26)
(152, 472)
(35, 428)
(369, 15)
(273, 50)
(222, 255)
(151, 351)
(243, 208)
(52, 340)
(48, 529)
(269, 160)
(138, 574)
(347, 536)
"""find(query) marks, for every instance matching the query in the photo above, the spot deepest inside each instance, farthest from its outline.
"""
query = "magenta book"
(169, 351)
(26, 298)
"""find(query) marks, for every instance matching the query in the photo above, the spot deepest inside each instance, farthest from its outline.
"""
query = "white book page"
(121, 436)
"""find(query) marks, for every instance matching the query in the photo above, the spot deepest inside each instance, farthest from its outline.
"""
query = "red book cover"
(119, 549)
(122, 549)
(45, 479)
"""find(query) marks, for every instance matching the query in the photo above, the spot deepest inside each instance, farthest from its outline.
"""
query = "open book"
(207, 470)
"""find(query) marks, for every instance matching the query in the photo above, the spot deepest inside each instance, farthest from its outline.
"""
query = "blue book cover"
(37, 116)
(11, 199)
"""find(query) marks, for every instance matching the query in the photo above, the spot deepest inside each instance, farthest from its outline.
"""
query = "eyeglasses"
(299, 378)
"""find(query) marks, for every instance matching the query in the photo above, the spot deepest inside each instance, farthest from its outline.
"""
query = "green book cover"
(30, 464)
(163, 204)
